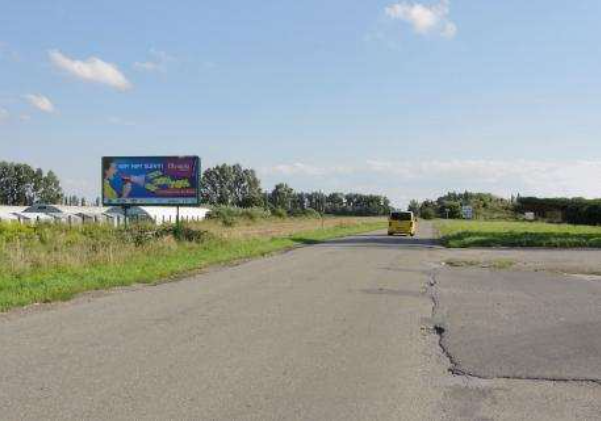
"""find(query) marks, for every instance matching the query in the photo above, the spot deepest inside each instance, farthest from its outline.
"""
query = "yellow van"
(403, 223)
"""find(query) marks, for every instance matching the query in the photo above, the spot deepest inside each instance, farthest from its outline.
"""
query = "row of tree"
(570, 210)
(22, 185)
(487, 206)
(233, 185)
(222, 185)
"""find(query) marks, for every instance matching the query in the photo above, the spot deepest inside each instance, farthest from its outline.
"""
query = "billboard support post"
(177, 216)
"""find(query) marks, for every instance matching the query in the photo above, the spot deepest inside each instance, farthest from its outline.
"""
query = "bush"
(280, 213)
(229, 215)
(311, 213)
(190, 234)
(255, 214)
(427, 213)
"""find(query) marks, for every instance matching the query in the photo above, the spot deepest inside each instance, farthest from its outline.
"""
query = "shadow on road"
(381, 240)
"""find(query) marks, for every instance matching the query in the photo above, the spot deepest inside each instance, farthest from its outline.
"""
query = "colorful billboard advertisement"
(151, 181)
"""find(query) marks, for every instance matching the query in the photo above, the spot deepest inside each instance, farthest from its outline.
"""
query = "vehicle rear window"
(400, 216)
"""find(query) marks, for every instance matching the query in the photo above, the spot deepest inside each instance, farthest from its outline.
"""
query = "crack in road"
(454, 367)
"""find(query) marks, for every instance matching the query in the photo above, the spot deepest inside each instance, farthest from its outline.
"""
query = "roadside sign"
(151, 181)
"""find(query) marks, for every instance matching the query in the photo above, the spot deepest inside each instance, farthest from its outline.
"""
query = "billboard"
(151, 181)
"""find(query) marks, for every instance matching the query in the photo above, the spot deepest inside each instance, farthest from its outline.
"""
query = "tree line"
(484, 205)
(221, 185)
(577, 210)
(233, 185)
(570, 210)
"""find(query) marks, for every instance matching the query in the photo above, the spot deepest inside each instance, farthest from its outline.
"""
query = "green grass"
(462, 234)
(158, 260)
(497, 264)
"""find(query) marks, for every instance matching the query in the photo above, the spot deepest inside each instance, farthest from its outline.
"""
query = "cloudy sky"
(409, 99)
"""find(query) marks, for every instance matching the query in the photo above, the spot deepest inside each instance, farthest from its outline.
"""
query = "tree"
(231, 185)
(51, 191)
(428, 209)
(413, 207)
(21, 185)
(450, 209)
(427, 213)
(281, 197)
(216, 185)
(335, 203)
(247, 187)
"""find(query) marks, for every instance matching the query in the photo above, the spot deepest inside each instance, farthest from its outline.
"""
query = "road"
(363, 328)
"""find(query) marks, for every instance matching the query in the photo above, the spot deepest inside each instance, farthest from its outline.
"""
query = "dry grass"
(277, 227)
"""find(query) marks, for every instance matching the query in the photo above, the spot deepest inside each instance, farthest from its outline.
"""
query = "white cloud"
(41, 102)
(424, 18)
(3, 115)
(545, 178)
(158, 62)
(92, 70)
(299, 168)
(422, 179)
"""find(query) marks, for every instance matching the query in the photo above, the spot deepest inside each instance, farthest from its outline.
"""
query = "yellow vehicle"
(403, 223)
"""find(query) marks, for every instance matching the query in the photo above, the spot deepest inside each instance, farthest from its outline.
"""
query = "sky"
(407, 99)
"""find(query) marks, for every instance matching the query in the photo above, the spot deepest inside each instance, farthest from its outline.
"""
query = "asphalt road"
(530, 325)
(339, 331)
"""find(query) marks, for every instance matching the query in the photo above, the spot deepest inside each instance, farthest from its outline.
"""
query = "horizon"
(405, 99)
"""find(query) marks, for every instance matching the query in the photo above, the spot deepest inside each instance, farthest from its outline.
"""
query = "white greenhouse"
(10, 213)
(98, 214)
(159, 214)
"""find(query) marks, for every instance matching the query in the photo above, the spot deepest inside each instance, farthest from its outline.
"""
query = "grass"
(55, 263)
(462, 234)
(497, 264)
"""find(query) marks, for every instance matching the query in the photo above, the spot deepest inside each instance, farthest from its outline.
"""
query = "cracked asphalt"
(362, 328)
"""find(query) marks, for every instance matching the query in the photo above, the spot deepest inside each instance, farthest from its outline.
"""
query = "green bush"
(280, 213)
(311, 213)
(190, 234)
(255, 214)
(229, 215)
(427, 213)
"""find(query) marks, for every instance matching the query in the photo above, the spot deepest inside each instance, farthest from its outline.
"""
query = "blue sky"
(409, 99)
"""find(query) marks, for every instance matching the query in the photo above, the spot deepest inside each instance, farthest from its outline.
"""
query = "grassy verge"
(56, 263)
(462, 234)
